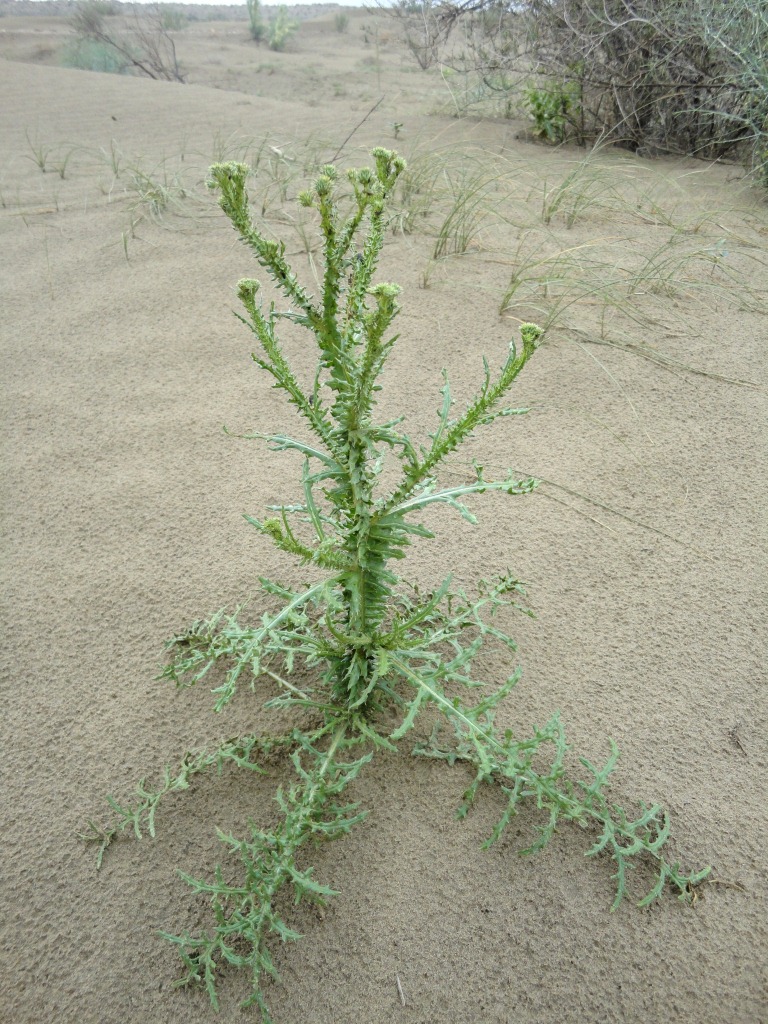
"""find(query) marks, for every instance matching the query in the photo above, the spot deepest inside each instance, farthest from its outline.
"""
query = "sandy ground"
(122, 523)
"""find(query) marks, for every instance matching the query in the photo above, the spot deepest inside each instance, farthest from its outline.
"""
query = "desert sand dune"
(644, 555)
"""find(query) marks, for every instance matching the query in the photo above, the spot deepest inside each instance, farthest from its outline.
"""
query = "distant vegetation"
(141, 42)
(281, 28)
(276, 30)
(257, 24)
(92, 55)
(190, 12)
(682, 78)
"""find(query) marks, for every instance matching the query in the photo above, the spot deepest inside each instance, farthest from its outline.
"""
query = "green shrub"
(551, 106)
(341, 21)
(92, 55)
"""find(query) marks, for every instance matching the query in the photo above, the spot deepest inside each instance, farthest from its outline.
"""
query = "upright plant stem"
(383, 647)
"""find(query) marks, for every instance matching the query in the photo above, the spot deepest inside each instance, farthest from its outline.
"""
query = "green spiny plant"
(377, 650)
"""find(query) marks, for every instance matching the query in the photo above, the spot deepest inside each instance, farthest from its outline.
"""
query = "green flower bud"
(385, 291)
(323, 186)
(247, 289)
(530, 334)
(388, 165)
(273, 527)
(221, 174)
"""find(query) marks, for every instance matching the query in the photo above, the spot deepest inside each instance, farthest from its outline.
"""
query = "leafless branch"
(143, 41)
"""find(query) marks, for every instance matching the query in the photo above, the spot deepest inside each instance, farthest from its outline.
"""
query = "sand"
(645, 559)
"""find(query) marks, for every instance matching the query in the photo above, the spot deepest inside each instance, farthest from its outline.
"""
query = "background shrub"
(256, 24)
(142, 42)
(689, 77)
(173, 20)
(92, 55)
(281, 28)
(552, 108)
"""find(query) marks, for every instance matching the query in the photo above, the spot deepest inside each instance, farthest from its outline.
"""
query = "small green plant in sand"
(39, 152)
(375, 652)
(156, 192)
(551, 106)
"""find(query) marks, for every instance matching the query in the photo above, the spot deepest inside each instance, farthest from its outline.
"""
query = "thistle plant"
(377, 650)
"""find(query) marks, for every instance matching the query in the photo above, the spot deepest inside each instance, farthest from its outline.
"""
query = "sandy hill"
(644, 548)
